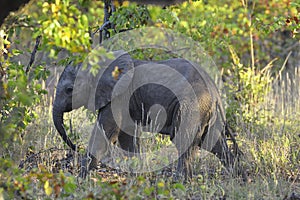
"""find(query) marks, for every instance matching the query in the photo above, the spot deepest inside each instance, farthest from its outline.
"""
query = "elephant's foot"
(181, 176)
(89, 162)
(233, 164)
(184, 168)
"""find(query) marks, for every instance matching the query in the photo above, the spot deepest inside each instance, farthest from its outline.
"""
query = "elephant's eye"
(69, 90)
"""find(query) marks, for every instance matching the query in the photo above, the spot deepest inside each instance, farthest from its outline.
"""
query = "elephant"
(193, 115)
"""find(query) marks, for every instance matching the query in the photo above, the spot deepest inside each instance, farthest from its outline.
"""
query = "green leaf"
(148, 190)
(85, 20)
(70, 185)
(16, 52)
(179, 186)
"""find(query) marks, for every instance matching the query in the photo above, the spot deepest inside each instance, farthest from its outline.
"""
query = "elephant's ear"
(119, 68)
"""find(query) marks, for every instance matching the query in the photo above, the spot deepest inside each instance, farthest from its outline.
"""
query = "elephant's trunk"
(58, 119)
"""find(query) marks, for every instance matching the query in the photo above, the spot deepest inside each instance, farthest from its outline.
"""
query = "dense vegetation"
(255, 46)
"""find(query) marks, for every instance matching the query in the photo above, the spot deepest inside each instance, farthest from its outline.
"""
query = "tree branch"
(32, 58)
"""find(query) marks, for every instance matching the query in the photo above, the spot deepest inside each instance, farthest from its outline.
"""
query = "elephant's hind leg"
(222, 151)
(184, 166)
(128, 143)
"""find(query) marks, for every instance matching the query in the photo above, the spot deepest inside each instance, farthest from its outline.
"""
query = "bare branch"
(32, 58)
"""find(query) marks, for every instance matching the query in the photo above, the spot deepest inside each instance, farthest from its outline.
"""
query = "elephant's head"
(77, 87)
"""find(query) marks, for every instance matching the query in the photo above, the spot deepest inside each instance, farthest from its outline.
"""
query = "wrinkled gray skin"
(211, 128)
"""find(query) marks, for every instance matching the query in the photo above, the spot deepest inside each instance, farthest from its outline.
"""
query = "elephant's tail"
(229, 133)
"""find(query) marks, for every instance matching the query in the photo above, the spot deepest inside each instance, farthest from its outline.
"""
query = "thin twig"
(290, 48)
(268, 66)
(71, 128)
(32, 58)
(283, 65)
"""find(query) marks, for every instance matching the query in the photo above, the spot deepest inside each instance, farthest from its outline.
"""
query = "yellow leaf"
(184, 24)
(160, 184)
(48, 189)
(53, 8)
(45, 4)
(125, 3)
(115, 74)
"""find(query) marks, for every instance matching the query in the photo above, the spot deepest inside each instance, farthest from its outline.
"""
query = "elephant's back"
(192, 72)
(189, 72)
(191, 82)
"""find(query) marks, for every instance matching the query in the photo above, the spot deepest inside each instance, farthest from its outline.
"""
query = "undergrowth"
(271, 156)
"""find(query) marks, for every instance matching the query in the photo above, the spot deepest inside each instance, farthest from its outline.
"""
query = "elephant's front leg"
(103, 133)
(186, 146)
(184, 166)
